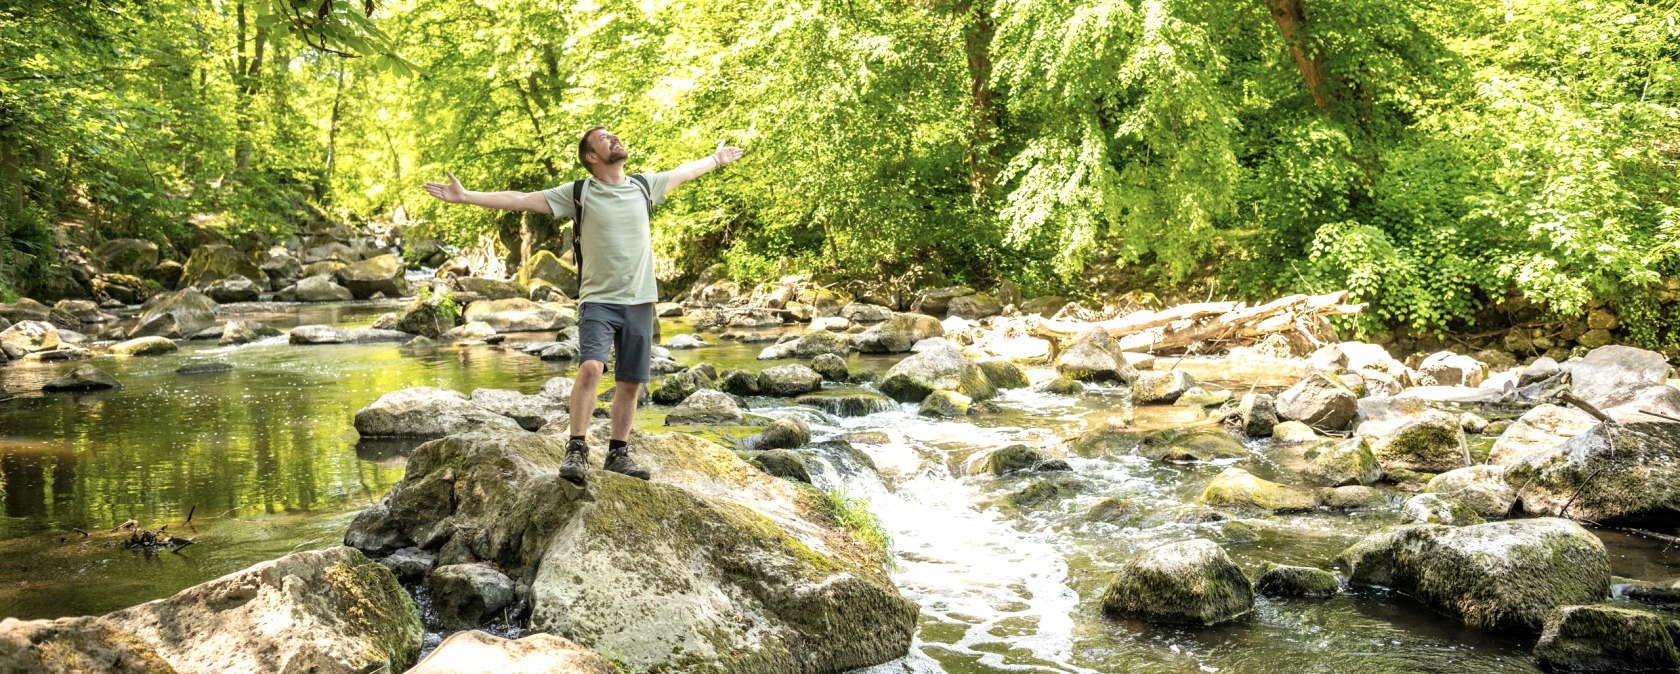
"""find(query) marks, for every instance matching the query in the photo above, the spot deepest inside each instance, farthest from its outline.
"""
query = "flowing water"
(1008, 575)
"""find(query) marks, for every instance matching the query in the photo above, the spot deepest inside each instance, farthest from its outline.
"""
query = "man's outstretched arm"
(724, 156)
(454, 193)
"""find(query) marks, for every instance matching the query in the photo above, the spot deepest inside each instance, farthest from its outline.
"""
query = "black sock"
(616, 444)
(579, 438)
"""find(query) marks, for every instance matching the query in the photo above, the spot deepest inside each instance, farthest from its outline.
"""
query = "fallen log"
(1203, 327)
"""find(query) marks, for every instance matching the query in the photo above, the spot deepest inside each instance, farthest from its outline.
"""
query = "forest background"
(1458, 164)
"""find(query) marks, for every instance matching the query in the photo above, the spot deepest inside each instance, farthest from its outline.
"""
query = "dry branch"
(1204, 326)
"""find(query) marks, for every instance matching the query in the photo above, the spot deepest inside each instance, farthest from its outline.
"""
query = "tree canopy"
(1448, 162)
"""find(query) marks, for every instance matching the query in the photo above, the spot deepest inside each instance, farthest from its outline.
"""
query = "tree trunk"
(332, 135)
(985, 111)
(1290, 17)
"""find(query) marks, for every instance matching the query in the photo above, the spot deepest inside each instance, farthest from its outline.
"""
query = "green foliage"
(855, 515)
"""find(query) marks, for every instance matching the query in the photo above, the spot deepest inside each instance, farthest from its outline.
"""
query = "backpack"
(641, 183)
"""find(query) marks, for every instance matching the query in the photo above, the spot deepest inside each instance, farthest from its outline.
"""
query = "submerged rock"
(1192, 582)
(1501, 575)
(1295, 581)
(1620, 473)
(473, 652)
(849, 404)
(328, 611)
(1600, 638)
(83, 378)
(1236, 487)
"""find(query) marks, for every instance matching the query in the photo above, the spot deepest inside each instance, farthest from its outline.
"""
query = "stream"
(265, 459)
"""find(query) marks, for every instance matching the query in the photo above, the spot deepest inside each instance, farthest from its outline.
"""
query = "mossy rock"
(1500, 575)
(784, 464)
(1349, 462)
(1353, 497)
(1061, 385)
(913, 378)
(1600, 638)
(1116, 510)
(1295, 581)
(853, 404)
(946, 404)
(1047, 490)
(1191, 582)
(738, 382)
(1014, 459)
(1003, 373)
(1195, 444)
(1237, 488)
(1438, 509)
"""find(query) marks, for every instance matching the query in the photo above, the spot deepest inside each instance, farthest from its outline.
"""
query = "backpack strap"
(647, 190)
(577, 227)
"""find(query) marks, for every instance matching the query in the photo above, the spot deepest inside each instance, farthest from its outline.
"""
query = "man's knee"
(591, 369)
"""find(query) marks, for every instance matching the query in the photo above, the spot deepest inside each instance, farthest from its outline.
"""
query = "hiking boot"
(575, 468)
(618, 461)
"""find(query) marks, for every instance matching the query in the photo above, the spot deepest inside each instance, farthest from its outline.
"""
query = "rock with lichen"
(1192, 582)
(1238, 488)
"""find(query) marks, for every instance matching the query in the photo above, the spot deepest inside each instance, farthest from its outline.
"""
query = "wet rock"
(320, 288)
(1345, 463)
(706, 406)
(1276, 580)
(1014, 459)
(1446, 368)
(74, 314)
(479, 331)
(382, 274)
(831, 367)
(242, 332)
(175, 315)
(1256, 415)
(678, 387)
(1004, 374)
(1601, 638)
(1501, 575)
(410, 564)
(27, 337)
(1621, 473)
(974, 307)
(121, 288)
(1160, 387)
(468, 595)
(234, 288)
(519, 315)
(430, 316)
(1354, 497)
(946, 404)
(83, 378)
(849, 404)
(1183, 445)
(685, 341)
(531, 412)
(24, 309)
(1235, 487)
(425, 412)
(1406, 434)
(472, 652)
(919, 375)
(788, 380)
(1538, 430)
(217, 261)
(784, 464)
(738, 382)
(783, 433)
(1319, 402)
(1191, 582)
(327, 334)
(203, 368)
(1437, 509)
(1095, 356)
(143, 346)
(858, 312)
(1061, 385)
(819, 342)
(1482, 488)
(898, 333)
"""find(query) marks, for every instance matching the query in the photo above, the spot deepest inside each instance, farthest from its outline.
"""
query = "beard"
(617, 155)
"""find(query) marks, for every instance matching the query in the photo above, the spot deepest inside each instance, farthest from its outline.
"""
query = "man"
(616, 290)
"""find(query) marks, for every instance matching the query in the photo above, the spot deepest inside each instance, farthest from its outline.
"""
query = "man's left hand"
(726, 154)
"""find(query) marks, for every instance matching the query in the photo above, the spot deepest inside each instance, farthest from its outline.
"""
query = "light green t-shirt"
(617, 241)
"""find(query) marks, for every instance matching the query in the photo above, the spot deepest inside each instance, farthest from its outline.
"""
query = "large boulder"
(320, 288)
(819, 342)
(1446, 368)
(473, 652)
(788, 380)
(1345, 463)
(429, 316)
(26, 337)
(327, 611)
(1615, 473)
(1501, 575)
(126, 256)
(912, 379)
(1407, 434)
(217, 261)
(898, 333)
(1481, 488)
(1320, 402)
(1238, 488)
(1191, 582)
(24, 309)
(1095, 356)
(382, 274)
(1611, 376)
(175, 315)
(544, 267)
(1601, 638)
(1538, 430)
(426, 412)
(519, 315)
(657, 573)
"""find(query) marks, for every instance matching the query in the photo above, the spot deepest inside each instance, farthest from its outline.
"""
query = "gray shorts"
(626, 328)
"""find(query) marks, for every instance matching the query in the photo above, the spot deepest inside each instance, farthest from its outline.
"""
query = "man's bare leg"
(581, 408)
(623, 415)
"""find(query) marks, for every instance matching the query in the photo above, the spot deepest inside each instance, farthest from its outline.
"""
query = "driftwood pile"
(1210, 326)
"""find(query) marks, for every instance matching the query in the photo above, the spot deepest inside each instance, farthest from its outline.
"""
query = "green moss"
(1236, 487)
(1606, 638)
(1295, 581)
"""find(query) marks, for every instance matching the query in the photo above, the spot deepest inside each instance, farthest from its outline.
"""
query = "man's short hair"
(583, 144)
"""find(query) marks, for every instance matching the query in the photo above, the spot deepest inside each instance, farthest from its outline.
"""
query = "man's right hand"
(453, 192)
